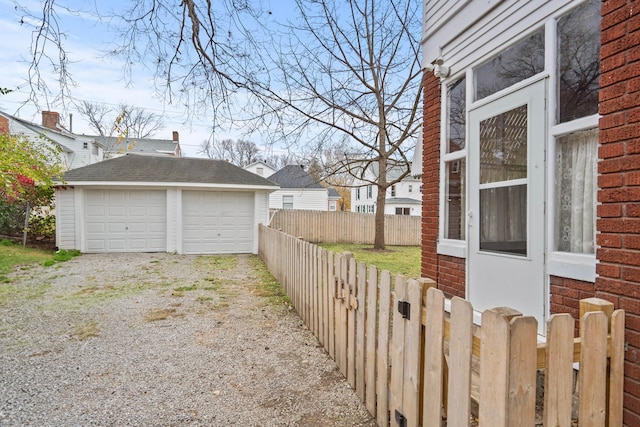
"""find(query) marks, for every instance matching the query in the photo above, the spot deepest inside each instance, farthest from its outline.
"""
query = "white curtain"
(576, 156)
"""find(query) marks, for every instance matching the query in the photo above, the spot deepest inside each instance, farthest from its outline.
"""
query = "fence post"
(523, 351)
(371, 319)
(382, 382)
(587, 306)
(397, 349)
(433, 358)
(460, 351)
(558, 378)
(360, 330)
(494, 369)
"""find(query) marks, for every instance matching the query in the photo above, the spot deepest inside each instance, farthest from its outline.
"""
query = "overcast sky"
(98, 80)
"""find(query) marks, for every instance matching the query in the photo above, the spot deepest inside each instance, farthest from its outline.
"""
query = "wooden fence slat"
(331, 288)
(616, 372)
(494, 354)
(412, 346)
(343, 313)
(352, 319)
(558, 379)
(522, 371)
(593, 370)
(371, 320)
(346, 227)
(433, 358)
(351, 322)
(460, 351)
(397, 349)
(361, 289)
(382, 381)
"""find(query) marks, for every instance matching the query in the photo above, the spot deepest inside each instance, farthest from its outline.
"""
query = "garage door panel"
(217, 222)
(125, 220)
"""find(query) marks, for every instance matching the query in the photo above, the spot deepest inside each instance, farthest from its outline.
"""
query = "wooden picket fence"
(413, 363)
(346, 227)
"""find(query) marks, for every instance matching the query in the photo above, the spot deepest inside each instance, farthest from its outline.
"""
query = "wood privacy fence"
(413, 363)
(346, 227)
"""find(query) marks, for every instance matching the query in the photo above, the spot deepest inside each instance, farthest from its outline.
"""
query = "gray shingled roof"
(403, 200)
(333, 193)
(133, 145)
(294, 176)
(141, 168)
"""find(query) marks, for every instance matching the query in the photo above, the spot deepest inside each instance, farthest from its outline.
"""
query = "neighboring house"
(530, 158)
(75, 150)
(261, 169)
(118, 146)
(334, 200)
(402, 198)
(150, 203)
(298, 190)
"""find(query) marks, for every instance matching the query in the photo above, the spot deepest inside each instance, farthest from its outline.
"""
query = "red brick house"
(531, 158)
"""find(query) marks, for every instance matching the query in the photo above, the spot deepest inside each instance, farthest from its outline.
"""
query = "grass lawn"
(13, 254)
(403, 260)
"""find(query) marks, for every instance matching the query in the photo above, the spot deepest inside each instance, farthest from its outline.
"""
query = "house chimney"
(176, 136)
(50, 119)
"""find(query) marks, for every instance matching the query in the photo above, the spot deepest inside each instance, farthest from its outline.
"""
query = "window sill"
(572, 266)
(455, 248)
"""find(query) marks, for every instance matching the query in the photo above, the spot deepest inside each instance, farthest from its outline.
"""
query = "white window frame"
(287, 199)
(562, 264)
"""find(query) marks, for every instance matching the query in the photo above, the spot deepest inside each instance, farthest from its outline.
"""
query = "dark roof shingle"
(141, 168)
(294, 176)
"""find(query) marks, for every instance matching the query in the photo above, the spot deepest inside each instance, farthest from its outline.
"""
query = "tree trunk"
(378, 241)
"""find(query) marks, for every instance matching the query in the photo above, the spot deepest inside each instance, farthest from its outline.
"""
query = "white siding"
(65, 219)
(173, 213)
(315, 199)
(468, 30)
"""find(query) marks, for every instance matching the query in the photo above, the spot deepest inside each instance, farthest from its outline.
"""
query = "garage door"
(126, 220)
(217, 222)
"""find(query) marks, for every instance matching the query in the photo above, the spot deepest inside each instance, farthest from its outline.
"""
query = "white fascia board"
(187, 185)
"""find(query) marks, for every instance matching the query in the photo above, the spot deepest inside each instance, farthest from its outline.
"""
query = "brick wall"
(451, 276)
(430, 174)
(619, 181)
(566, 295)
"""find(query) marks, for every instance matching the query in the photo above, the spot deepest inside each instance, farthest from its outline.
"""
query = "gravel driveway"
(161, 339)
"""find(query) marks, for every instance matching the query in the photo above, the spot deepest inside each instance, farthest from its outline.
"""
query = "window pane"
(454, 200)
(287, 202)
(575, 180)
(456, 115)
(519, 62)
(503, 146)
(579, 61)
(503, 220)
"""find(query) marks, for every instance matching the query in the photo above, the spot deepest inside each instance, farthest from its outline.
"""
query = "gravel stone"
(161, 340)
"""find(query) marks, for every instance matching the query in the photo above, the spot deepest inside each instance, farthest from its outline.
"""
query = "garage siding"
(217, 222)
(65, 219)
(126, 220)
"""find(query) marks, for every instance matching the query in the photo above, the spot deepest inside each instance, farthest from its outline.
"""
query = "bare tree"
(240, 153)
(98, 117)
(343, 72)
(124, 120)
(138, 123)
(348, 73)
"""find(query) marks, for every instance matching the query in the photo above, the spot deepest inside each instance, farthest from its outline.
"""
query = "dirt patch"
(161, 339)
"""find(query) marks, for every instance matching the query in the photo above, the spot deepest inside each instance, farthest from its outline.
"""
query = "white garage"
(139, 203)
(126, 220)
(217, 222)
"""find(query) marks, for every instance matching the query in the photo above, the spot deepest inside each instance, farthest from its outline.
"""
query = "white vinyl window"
(287, 201)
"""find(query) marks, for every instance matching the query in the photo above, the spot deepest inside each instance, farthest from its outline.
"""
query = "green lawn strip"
(403, 260)
(267, 286)
(12, 255)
